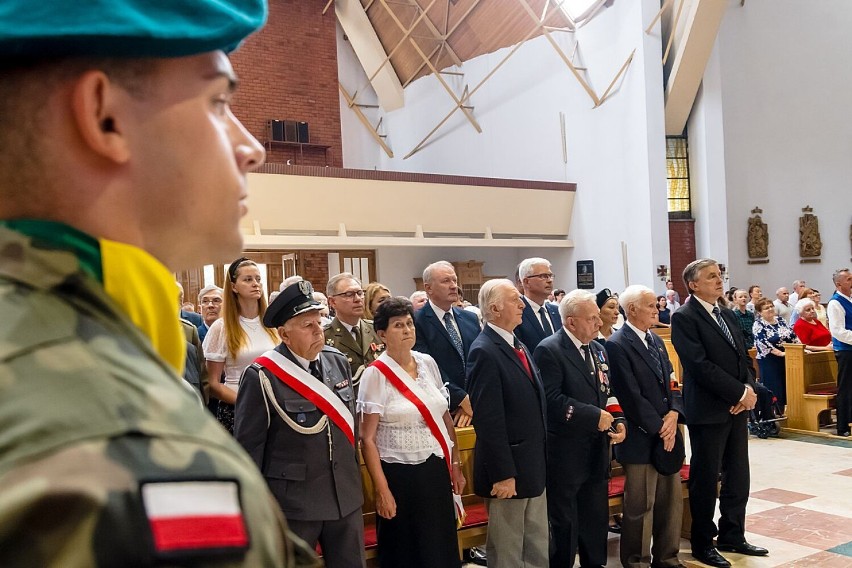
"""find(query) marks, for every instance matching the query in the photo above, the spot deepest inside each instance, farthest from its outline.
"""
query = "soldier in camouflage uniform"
(116, 120)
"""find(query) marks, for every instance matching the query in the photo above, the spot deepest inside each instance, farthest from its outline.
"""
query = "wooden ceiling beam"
(405, 36)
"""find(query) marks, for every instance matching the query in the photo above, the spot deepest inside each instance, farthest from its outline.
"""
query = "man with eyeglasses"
(541, 318)
(348, 332)
(210, 300)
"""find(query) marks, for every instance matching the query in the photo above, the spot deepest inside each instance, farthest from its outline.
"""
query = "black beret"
(603, 296)
(296, 299)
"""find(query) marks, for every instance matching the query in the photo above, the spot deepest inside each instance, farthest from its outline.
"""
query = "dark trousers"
(423, 532)
(844, 390)
(579, 515)
(719, 448)
(342, 540)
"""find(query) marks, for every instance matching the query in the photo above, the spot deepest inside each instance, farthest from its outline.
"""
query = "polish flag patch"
(195, 517)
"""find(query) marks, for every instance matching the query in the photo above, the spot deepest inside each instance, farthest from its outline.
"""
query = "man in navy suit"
(718, 392)
(541, 319)
(446, 332)
(583, 417)
(641, 373)
(509, 468)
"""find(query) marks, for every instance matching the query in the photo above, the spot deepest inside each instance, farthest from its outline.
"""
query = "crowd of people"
(549, 387)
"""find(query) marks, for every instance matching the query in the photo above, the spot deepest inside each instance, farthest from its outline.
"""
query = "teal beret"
(126, 28)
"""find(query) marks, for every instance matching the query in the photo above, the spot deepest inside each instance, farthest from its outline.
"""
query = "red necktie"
(523, 357)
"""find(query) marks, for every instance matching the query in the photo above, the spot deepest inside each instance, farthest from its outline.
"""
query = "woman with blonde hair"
(374, 294)
(236, 339)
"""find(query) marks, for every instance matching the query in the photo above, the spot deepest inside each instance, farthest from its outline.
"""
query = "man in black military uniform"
(305, 440)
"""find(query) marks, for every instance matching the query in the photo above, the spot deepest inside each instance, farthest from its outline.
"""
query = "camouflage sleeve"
(83, 506)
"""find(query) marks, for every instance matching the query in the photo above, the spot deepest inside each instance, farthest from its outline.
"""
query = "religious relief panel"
(810, 244)
(758, 238)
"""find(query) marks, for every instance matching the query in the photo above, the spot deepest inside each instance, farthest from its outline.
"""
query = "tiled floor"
(800, 506)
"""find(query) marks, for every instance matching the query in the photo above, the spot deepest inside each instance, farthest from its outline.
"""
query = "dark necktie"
(545, 321)
(314, 368)
(655, 354)
(519, 351)
(454, 334)
(723, 325)
(356, 333)
(587, 355)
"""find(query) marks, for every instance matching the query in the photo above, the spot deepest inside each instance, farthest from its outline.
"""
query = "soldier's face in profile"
(189, 158)
(303, 335)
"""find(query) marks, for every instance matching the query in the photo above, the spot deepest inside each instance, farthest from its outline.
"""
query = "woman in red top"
(809, 329)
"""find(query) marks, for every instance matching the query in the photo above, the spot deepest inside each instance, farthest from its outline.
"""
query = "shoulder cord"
(270, 396)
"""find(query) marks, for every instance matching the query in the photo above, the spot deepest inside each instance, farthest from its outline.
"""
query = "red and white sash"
(432, 419)
(316, 391)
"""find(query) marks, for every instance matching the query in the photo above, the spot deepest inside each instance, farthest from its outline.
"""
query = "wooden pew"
(811, 386)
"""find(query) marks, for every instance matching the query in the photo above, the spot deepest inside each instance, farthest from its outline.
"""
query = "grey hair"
(331, 287)
(491, 294)
(835, 278)
(803, 303)
(320, 297)
(416, 295)
(427, 272)
(633, 294)
(797, 283)
(208, 289)
(572, 300)
(526, 266)
(290, 280)
(690, 273)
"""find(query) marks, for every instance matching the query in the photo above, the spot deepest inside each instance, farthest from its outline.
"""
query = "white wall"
(616, 152)
(783, 96)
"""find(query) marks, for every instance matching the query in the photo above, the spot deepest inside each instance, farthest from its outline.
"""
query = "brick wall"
(314, 268)
(681, 250)
(288, 71)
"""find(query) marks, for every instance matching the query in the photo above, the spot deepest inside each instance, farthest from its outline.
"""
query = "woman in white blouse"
(236, 339)
(413, 480)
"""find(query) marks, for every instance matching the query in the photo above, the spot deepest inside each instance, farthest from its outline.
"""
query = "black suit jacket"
(508, 416)
(433, 339)
(307, 484)
(574, 402)
(530, 331)
(644, 393)
(714, 371)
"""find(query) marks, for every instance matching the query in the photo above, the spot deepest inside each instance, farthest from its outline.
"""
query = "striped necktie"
(723, 325)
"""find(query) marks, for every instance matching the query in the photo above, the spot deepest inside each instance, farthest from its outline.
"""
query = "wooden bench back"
(806, 373)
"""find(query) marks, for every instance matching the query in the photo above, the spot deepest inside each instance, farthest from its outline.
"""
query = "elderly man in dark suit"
(541, 318)
(509, 418)
(446, 332)
(641, 373)
(582, 418)
(718, 391)
(295, 418)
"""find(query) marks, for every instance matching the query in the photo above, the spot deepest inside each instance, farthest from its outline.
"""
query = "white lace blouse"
(402, 435)
(216, 348)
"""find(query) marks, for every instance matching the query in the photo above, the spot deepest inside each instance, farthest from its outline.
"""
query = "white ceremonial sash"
(313, 389)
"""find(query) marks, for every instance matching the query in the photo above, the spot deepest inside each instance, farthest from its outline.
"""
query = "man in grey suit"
(295, 418)
(641, 373)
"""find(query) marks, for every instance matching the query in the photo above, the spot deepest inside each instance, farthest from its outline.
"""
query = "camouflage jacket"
(95, 429)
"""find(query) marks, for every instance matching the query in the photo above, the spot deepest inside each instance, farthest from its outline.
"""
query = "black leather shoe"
(845, 434)
(743, 548)
(711, 557)
(476, 555)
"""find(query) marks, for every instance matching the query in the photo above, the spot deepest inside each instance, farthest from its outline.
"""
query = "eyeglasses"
(543, 276)
(350, 295)
(206, 301)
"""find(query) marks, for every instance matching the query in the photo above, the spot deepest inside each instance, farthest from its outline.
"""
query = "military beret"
(296, 299)
(126, 28)
(603, 296)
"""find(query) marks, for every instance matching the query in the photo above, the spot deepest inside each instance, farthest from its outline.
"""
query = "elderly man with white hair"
(583, 417)
(641, 373)
(509, 417)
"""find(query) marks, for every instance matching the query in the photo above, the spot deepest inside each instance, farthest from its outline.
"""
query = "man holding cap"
(122, 164)
(296, 418)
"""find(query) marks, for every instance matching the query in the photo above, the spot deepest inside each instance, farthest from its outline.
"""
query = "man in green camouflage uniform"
(119, 149)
